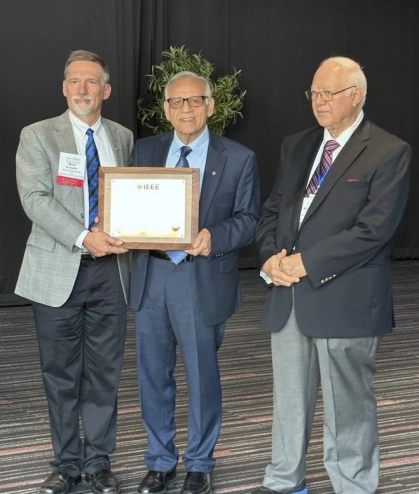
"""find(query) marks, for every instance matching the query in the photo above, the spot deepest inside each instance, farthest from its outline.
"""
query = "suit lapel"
(352, 149)
(65, 135)
(159, 156)
(300, 170)
(214, 167)
(66, 143)
(115, 141)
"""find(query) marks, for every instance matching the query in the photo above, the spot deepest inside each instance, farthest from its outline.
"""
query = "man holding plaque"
(185, 298)
(72, 274)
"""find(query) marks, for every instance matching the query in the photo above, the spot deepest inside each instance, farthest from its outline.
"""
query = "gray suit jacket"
(228, 207)
(51, 260)
(345, 237)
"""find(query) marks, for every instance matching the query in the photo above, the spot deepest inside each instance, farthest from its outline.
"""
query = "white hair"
(353, 73)
(186, 73)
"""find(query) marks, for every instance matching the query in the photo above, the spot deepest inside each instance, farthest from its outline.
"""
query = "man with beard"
(76, 276)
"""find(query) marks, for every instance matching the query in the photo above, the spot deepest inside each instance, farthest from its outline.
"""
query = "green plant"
(227, 94)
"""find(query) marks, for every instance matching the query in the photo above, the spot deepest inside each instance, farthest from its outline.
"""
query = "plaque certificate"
(150, 207)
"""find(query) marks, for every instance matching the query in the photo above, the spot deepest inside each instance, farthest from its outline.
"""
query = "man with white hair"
(324, 251)
(184, 299)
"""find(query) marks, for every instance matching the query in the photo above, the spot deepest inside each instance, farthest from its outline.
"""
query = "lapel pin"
(214, 173)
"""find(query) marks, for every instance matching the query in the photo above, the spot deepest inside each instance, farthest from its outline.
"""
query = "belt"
(161, 254)
(90, 258)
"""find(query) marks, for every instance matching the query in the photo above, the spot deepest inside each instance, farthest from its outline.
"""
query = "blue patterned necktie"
(322, 168)
(92, 166)
(178, 256)
(183, 162)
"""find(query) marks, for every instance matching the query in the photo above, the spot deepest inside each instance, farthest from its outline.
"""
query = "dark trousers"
(81, 348)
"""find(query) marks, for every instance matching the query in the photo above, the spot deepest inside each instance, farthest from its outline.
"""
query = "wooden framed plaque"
(150, 207)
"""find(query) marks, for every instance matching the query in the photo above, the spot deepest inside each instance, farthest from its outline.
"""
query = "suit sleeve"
(276, 230)
(238, 229)
(267, 226)
(376, 222)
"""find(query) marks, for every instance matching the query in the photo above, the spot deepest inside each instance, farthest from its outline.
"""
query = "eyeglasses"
(326, 95)
(193, 101)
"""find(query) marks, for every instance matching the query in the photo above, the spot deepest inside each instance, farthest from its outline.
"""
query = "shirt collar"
(198, 146)
(80, 127)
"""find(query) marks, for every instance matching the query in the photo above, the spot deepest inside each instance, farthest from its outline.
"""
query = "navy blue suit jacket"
(345, 237)
(228, 207)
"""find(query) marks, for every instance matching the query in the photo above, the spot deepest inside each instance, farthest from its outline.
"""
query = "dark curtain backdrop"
(276, 43)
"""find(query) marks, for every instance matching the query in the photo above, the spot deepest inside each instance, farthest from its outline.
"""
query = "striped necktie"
(322, 168)
(92, 166)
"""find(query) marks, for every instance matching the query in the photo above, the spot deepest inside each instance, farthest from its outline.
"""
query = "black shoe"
(103, 482)
(197, 483)
(157, 482)
(265, 490)
(59, 483)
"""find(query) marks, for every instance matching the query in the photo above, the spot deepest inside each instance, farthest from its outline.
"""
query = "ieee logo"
(148, 186)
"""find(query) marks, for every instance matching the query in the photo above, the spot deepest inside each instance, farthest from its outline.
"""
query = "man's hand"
(273, 268)
(101, 244)
(202, 244)
(293, 266)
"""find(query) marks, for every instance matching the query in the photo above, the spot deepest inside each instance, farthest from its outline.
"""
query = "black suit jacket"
(345, 237)
(228, 207)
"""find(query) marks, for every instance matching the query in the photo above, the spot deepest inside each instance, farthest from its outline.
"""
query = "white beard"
(80, 107)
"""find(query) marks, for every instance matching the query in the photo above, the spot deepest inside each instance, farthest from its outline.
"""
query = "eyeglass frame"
(309, 92)
(186, 99)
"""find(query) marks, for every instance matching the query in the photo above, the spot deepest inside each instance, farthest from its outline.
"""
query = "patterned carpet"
(244, 445)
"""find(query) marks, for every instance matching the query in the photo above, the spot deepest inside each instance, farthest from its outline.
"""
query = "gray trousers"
(346, 368)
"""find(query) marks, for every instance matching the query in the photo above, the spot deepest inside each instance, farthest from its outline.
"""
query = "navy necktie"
(178, 255)
(92, 166)
(183, 162)
(322, 168)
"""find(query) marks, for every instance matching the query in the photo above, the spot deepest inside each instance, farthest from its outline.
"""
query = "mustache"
(81, 97)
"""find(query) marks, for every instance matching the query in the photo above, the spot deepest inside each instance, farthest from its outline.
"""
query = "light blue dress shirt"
(196, 158)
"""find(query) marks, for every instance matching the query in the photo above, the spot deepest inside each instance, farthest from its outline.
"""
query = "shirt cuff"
(80, 239)
(265, 277)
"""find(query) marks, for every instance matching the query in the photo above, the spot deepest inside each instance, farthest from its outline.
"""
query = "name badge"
(304, 208)
(71, 169)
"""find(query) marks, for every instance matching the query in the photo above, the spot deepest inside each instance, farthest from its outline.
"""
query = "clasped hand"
(284, 270)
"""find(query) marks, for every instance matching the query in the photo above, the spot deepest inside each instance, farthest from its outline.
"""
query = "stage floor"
(243, 449)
